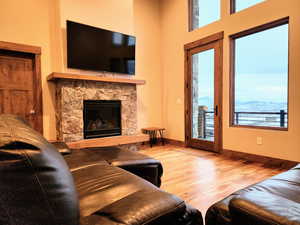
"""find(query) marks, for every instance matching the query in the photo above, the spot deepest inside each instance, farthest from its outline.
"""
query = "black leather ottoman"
(273, 201)
(141, 165)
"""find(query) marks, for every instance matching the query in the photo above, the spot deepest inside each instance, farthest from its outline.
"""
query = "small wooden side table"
(153, 133)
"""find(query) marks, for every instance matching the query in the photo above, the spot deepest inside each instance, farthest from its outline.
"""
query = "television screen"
(92, 48)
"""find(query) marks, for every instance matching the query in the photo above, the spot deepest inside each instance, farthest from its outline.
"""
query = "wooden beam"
(67, 76)
(108, 141)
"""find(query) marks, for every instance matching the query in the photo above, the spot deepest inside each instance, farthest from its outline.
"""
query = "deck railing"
(266, 119)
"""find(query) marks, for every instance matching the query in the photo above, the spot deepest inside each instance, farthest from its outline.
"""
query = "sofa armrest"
(146, 207)
(263, 208)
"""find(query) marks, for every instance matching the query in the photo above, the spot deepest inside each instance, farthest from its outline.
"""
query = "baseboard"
(175, 142)
(268, 161)
(167, 141)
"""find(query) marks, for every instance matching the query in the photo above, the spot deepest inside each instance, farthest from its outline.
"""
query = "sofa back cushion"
(36, 187)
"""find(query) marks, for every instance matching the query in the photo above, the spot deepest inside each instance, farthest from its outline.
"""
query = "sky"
(243, 4)
(210, 10)
(205, 68)
(262, 66)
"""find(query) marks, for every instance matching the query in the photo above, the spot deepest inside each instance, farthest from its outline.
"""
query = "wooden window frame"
(241, 34)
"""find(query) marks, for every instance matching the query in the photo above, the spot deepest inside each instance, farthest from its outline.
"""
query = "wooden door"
(203, 93)
(20, 92)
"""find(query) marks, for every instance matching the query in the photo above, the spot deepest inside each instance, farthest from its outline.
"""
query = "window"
(238, 5)
(260, 76)
(203, 12)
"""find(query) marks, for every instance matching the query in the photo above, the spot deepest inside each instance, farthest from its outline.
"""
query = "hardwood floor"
(202, 178)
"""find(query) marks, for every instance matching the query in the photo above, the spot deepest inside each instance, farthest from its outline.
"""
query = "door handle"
(32, 112)
(216, 110)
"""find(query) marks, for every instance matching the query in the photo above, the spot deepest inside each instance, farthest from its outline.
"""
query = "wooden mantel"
(67, 76)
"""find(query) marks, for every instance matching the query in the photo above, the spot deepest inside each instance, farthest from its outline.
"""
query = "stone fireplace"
(101, 118)
(72, 96)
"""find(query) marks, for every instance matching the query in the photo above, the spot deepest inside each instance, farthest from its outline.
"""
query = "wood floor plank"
(202, 178)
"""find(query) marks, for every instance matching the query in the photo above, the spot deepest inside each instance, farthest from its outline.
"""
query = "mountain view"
(273, 120)
(249, 106)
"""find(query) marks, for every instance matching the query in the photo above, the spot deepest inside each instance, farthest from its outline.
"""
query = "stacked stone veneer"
(69, 105)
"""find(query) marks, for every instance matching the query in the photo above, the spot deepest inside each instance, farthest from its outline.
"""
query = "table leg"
(151, 138)
(161, 132)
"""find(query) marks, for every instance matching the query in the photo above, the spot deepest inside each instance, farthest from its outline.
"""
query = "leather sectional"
(38, 187)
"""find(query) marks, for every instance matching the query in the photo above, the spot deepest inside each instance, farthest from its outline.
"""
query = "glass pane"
(205, 12)
(203, 95)
(243, 4)
(261, 78)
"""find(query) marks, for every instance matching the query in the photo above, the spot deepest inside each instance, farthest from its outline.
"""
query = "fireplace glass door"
(102, 118)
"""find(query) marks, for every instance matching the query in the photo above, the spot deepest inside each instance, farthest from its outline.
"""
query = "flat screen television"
(96, 49)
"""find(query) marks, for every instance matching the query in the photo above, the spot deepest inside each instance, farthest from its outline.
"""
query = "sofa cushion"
(261, 208)
(36, 186)
(100, 185)
(144, 166)
(80, 158)
(127, 199)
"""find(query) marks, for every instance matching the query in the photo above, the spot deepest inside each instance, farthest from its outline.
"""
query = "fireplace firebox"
(102, 118)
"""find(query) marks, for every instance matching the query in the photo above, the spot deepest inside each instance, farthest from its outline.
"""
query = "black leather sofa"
(38, 188)
(275, 201)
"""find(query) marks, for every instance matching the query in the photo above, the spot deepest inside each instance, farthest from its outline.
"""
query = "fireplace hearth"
(101, 118)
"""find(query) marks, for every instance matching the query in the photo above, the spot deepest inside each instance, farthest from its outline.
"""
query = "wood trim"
(219, 88)
(187, 95)
(260, 28)
(20, 48)
(231, 81)
(232, 72)
(39, 94)
(57, 76)
(108, 141)
(260, 127)
(287, 164)
(175, 142)
(204, 41)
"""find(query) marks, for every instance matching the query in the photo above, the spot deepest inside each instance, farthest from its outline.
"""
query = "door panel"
(17, 86)
(19, 103)
(204, 96)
